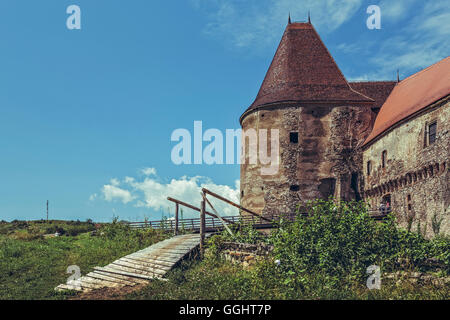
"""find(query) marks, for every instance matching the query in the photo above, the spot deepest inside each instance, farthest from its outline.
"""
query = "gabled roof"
(411, 96)
(377, 90)
(304, 70)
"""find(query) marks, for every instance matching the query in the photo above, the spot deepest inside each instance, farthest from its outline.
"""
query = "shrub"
(340, 241)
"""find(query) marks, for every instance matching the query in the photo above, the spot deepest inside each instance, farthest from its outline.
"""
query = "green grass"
(31, 266)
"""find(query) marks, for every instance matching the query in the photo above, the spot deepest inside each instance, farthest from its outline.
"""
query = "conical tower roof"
(303, 70)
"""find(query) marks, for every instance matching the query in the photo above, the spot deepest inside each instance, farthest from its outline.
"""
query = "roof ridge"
(423, 70)
(375, 81)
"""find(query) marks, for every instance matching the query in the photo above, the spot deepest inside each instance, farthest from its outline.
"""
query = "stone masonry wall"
(416, 176)
(325, 161)
(244, 253)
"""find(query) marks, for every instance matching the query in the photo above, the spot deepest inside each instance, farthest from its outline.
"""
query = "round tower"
(321, 121)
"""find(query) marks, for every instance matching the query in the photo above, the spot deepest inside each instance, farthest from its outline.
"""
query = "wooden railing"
(211, 223)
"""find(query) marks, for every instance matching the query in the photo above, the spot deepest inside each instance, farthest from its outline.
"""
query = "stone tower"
(322, 122)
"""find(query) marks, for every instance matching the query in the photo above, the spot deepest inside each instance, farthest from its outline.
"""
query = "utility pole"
(47, 210)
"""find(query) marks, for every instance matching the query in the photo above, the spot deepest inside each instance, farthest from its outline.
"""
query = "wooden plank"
(129, 274)
(121, 277)
(147, 264)
(167, 260)
(78, 283)
(103, 277)
(164, 253)
(174, 250)
(99, 284)
(128, 269)
(167, 256)
(179, 248)
(161, 263)
(133, 269)
(136, 267)
(202, 226)
(62, 287)
(176, 218)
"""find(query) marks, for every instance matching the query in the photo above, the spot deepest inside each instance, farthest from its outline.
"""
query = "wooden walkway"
(139, 267)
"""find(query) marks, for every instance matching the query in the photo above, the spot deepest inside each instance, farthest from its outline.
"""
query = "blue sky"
(86, 115)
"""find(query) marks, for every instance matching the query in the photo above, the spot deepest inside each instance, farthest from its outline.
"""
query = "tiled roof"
(304, 70)
(412, 95)
(377, 90)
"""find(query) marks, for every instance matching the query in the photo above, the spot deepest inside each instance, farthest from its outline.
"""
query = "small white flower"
(277, 262)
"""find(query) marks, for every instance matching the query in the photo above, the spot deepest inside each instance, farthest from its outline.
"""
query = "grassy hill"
(33, 263)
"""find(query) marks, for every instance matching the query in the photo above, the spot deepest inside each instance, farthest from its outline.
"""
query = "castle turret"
(322, 122)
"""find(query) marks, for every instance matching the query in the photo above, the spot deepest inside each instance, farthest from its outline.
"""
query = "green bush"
(340, 240)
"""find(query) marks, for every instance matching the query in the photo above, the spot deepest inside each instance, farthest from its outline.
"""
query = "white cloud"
(149, 171)
(259, 23)
(114, 182)
(112, 192)
(152, 193)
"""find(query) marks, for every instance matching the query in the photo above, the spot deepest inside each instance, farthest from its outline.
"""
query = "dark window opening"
(327, 187)
(242, 193)
(425, 136)
(369, 167)
(294, 187)
(383, 159)
(432, 128)
(293, 137)
(354, 186)
(385, 206)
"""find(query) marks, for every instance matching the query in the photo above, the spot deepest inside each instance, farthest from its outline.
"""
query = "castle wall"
(415, 176)
(323, 163)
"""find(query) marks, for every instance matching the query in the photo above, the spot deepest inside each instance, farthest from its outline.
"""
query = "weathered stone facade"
(416, 174)
(324, 162)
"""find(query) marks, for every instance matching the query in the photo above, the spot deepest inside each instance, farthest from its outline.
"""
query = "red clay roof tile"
(377, 90)
(412, 95)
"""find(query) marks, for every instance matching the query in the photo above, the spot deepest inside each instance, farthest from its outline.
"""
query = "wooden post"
(176, 218)
(47, 211)
(202, 227)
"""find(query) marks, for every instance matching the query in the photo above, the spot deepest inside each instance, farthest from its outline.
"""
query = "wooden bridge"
(139, 267)
(156, 260)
